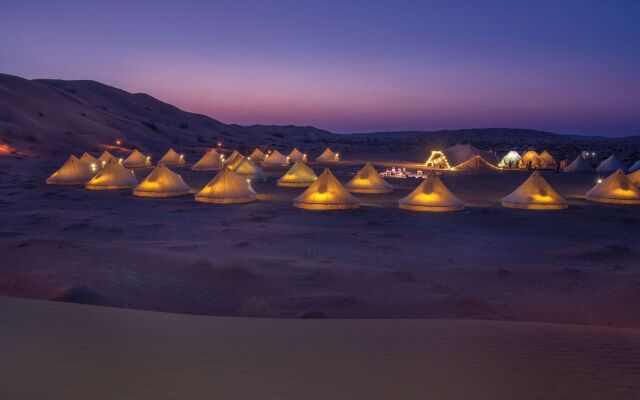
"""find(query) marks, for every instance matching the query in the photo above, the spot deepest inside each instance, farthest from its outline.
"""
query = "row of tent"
(326, 192)
(531, 159)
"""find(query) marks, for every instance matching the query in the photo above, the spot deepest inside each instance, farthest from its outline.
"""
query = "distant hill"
(72, 116)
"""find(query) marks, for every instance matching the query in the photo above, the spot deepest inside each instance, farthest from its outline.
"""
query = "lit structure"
(437, 160)
(326, 193)
(73, 172)
(172, 158)
(474, 164)
(249, 170)
(580, 164)
(137, 160)
(225, 188)
(89, 159)
(236, 161)
(112, 176)
(162, 182)
(432, 196)
(275, 158)
(531, 160)
(299, 175)
(257, 155)
(328, 156)
(368, 180)
(210, 161)
(535, 194)
(617, 188)
(547, 160)
(510, 160)
(105, 157)
(296, 155)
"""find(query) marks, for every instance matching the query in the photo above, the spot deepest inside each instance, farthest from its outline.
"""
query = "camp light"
(118, 142)
(599, 180)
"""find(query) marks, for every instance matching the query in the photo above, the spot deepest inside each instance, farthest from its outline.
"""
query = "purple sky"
(349, 66)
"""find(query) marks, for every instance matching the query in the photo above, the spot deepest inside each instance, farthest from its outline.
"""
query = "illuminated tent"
(367, 180)
(112, 176)
(275, 158)
(634, 177)
(227, 187)
(510, 160)
(249, 170)
(547, 159)
(296, 155)
(326, 193)
(137, 160)
(474, 164)
(635, 167)
(300, 175)
(461, 153)
(73, 172)
(105, 157)
(531, 159)
(431, 195)
(609, 165)
(162, 182)
(580, 164)
(91, 160)
(535, 194)
(328, 156)
(236, 161)
(257, 156)
(172, 158)
(210, 161)
(617, 188)
(437, 160)
(233, 157)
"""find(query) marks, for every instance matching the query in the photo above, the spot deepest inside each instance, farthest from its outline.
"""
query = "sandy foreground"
(53, 350)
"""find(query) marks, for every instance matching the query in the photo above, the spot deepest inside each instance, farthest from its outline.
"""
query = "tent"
(105, 157)
(275, 158)
(296, 155)
(300, 175)
(326, 193)
(609, 165)
(580, 164)
(236, 161)
(248, 169)
(634, 177)
(535, 194)
(162, 182)
(437, 160)
(91, 160)
(547, 160)
(225, 188)
(367, 180)
(137, 160)
(635, 167)
(257, 156)
(461, 153)
(510, 160)
(328, 156)
(172, 158)
(431, 195)
(210, 161)
(233, 157)
(475, 163)
(617, 188)
(531, 159)
(112, 176)
(73, 172)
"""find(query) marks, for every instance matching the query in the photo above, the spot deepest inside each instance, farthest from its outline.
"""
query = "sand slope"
(66, 351)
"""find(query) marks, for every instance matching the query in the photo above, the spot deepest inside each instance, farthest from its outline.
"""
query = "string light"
(440, 157)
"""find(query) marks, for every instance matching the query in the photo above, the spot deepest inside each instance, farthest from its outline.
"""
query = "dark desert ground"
(564, 285)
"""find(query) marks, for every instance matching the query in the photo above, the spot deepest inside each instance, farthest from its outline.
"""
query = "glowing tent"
(328, 156)
(617, 188)
(210, 161)
(535, 194)
(437, 160)
(233, 157)
(635, 167)
(275, 158)
(326, 193)
(91, 160)
(580, 164)
(162, 182)
(137, 160)
(462, 153)
(634, 177)
(225, 188)
(510, 160)
(296, 155)
(73, 172)
(112, 176)
(257, 156)
(531, 159)
(547, 160)
(475, 163)
(105, 157)
(367, 180)
(300, 175)
(609, 165)
(431, 195)
(172, 158)
(249, 170)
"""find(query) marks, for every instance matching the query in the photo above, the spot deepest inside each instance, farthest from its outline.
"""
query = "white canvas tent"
(296, 155)
(172, 158)
(299, 175)
(275, 158)
(162, 182)
(210, 161)
(610, 165)
(535, 194)
(225, 188)
(326, 193)
(368, 180)
(91, 160)
(510, 160)
(617, 188)
(112, 176)
(580, 164)
(73, 172)
(328, 156)
(137, 160)
(257, 156)
(431, 195)
(249, 170)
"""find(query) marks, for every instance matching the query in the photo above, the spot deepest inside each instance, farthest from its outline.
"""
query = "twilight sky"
(350, 65)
